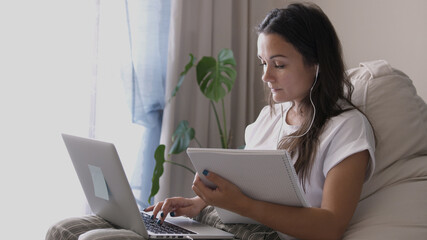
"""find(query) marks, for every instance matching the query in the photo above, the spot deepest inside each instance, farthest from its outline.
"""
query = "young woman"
(311, 115)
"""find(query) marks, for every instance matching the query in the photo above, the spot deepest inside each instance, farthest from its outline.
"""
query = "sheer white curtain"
(203, 28)
(111, 117)
(128, 94)
(48, 82)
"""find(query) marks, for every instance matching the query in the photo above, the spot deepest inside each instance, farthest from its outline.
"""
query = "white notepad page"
(266, 175)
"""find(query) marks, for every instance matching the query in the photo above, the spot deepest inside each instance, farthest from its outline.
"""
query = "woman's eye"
(279, 66)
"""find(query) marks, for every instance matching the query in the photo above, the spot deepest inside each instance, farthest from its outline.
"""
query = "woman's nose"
(266, 75)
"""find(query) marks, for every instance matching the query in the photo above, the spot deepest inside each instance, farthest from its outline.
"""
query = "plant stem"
(198, 143)
(219, 125)
(181, 165)
(225, 124)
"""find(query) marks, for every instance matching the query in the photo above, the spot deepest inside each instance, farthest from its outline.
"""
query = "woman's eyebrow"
(278, 55)
(274, 56)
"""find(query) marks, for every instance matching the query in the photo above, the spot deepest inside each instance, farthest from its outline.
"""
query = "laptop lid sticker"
(99, 184)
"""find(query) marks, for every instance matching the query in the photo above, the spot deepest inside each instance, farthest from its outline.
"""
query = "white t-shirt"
(343, 135)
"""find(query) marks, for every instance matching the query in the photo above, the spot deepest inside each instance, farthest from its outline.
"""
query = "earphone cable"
(314, 110)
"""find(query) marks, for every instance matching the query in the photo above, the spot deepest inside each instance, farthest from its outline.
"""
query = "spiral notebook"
(266, 175)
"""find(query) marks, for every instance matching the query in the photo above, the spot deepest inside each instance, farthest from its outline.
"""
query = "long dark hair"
(309, 30)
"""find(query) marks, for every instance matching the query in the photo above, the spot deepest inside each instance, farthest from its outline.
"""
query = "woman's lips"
(275, 90)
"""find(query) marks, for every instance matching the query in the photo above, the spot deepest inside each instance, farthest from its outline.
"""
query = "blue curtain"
(148, 25)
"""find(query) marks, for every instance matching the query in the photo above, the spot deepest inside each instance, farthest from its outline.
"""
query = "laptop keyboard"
(165, 228)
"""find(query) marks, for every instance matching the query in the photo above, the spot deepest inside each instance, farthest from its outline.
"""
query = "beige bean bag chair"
(394, 202)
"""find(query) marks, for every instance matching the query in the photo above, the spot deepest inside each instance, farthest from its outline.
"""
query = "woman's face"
(284, 70)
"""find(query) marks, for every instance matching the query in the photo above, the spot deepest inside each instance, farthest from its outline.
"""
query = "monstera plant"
(215, 78)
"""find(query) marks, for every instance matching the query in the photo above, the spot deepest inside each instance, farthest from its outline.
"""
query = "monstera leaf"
(216, 78)
(159, 156)
(181, 138)
(188, 66)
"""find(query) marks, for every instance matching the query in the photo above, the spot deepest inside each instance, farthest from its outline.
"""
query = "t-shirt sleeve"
(346, 135)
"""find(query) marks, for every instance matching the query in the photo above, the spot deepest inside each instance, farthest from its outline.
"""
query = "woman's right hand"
(177, 206)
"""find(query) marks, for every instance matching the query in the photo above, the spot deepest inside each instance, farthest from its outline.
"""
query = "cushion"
(395, 212)
(393, 204)
(399, 118)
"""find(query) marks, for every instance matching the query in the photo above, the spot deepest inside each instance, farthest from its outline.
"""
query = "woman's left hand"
(226, 195)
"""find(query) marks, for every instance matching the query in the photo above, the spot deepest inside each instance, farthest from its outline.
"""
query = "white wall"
(393, 30)
(45, 81)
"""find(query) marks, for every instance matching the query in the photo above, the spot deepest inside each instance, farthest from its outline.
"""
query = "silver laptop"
(109, 194)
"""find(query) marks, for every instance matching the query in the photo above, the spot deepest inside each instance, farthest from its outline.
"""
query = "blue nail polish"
(159, 222)
(205, 172)
(161, 214)
(152, 217)
(172, 214)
